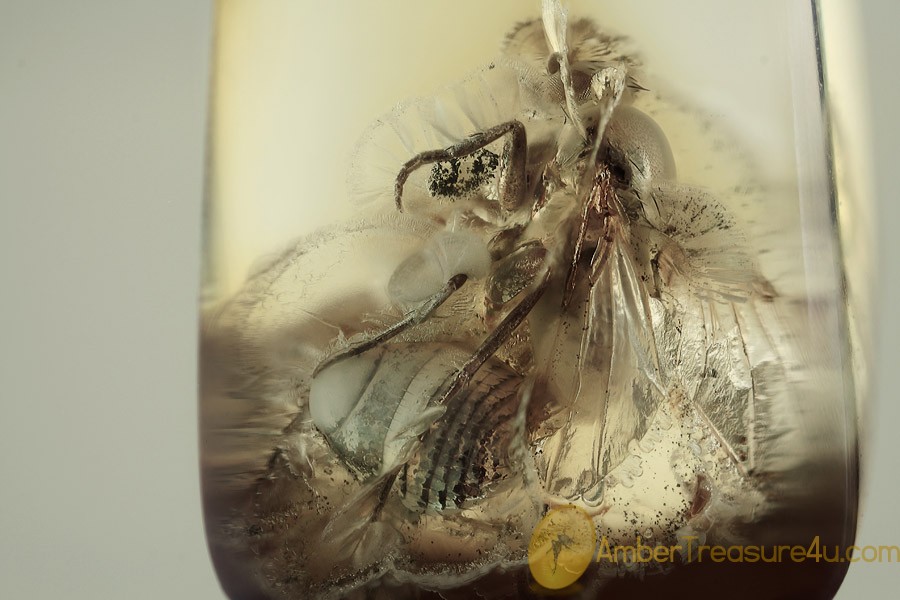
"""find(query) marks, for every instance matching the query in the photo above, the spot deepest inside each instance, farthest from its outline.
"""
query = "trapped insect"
(531, 311)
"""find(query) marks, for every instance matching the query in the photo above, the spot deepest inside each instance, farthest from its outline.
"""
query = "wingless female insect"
(540, 314)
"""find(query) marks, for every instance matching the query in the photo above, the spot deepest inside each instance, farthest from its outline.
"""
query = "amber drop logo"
(561, 547)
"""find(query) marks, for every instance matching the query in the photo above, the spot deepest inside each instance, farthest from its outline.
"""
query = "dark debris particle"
(460, 177)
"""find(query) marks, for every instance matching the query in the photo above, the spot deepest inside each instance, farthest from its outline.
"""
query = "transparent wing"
(673, 342)
(604, 374)
(716, 328)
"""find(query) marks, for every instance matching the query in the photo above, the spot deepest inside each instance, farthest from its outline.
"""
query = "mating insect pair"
(532, 311)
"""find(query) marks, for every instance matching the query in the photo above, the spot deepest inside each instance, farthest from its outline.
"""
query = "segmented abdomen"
(382, 410)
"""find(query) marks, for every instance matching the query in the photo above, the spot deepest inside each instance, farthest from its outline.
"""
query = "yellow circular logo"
(561, 547)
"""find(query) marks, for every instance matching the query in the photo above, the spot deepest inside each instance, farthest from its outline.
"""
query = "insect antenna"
(555, 20)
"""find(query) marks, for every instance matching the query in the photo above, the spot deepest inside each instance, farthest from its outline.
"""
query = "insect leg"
(487, 349)
(425, 310)
(512, 167)
(495, 339)
(510, 275)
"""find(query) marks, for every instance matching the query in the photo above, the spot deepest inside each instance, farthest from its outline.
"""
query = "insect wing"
(606, 378)
(720, 329)
(677, 325)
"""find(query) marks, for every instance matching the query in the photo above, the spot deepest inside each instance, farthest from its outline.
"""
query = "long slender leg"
(425, 310)
(487, 349)
(496, 338)
(512, 167)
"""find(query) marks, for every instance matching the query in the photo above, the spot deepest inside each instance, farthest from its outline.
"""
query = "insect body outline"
(540, 328)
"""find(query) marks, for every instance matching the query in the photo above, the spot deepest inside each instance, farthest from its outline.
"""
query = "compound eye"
(638, 147)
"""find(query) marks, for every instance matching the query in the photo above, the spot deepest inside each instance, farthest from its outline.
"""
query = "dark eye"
(620, 174)
(620, 170)
(553, 64)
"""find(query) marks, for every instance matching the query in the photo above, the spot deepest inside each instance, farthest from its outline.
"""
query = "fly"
(561, 322)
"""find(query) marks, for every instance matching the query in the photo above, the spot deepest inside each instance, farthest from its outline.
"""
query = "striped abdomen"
(381, 410)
